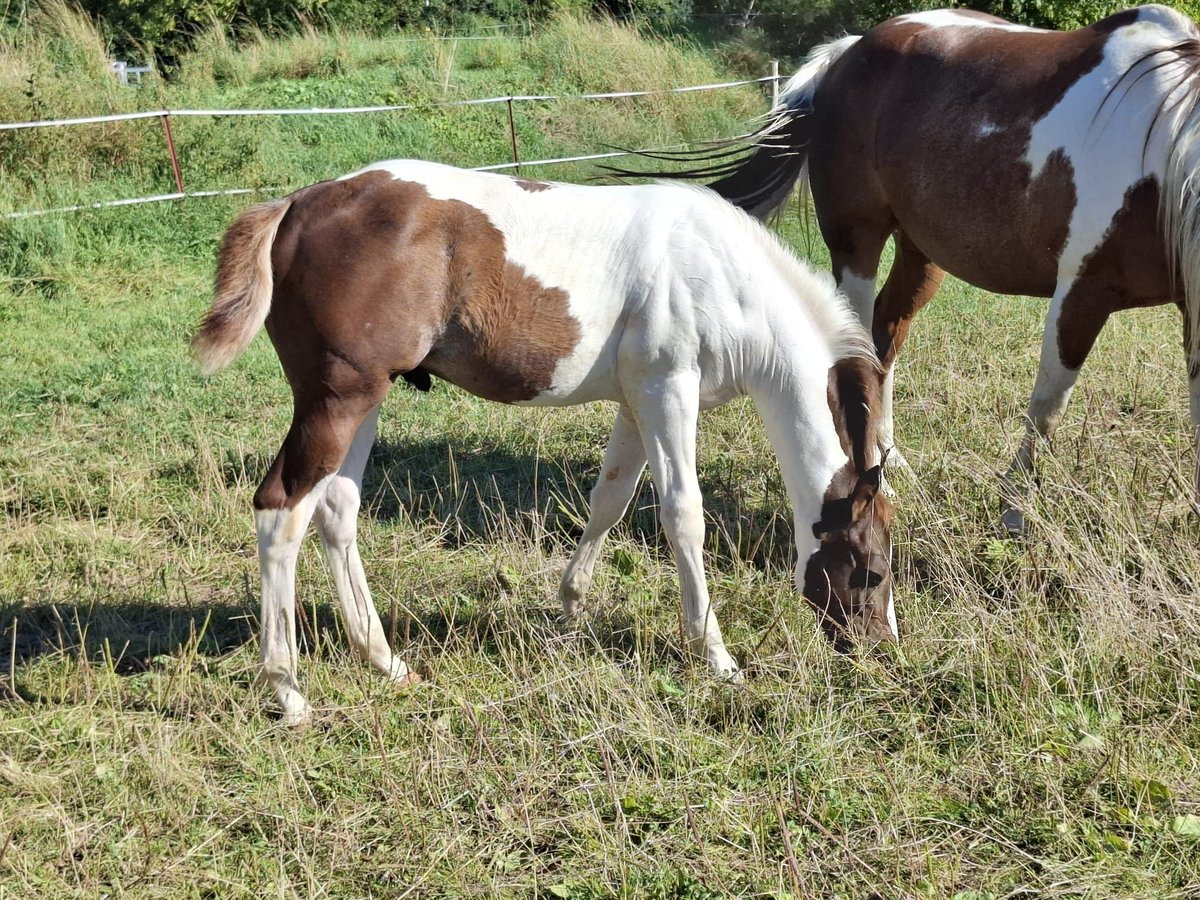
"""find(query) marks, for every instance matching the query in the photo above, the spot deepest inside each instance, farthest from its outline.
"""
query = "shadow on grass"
(474, 494)
(131, 636)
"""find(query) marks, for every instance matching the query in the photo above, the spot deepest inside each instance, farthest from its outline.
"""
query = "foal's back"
(518, 291)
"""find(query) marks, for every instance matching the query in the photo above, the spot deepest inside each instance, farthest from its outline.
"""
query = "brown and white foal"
(663, 298)
(1052, 164)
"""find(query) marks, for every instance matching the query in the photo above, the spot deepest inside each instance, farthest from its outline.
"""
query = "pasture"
(1036, 732)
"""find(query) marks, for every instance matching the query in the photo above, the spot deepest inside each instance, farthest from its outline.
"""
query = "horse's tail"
(1181, 190)
(761, 182)
(244, 284)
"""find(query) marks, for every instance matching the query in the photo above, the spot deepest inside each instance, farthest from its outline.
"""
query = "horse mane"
(1179, 195)
(814, 289)
(853, 395)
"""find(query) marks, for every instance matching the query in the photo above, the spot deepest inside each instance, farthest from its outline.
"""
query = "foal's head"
(848, 579)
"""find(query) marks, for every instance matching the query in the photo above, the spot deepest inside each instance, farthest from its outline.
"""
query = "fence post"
(512, 135)
(166, 124)
(774, 83)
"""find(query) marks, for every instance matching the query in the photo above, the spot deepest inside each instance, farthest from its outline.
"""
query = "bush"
(787, 29)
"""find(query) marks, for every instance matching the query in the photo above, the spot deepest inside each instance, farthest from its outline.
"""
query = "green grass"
(1036, 732)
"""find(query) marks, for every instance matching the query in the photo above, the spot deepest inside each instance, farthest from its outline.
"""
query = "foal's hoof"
(401, 675)
(297, 717)
(725, 668)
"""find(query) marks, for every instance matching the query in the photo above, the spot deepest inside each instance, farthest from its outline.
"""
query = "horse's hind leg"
(624, 461)
(911, 283)
(284, 504)
(337, 520)
(1192, 355)
(1071, 330)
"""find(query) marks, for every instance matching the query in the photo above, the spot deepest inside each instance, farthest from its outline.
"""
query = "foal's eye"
(865, 578)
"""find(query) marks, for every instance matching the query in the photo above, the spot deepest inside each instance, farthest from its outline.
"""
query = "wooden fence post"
(512, 135)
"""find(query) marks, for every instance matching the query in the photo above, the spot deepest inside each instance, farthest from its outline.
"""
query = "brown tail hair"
(242, 295)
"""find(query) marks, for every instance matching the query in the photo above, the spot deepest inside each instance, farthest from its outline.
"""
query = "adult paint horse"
(663, 298)
(1052, 164)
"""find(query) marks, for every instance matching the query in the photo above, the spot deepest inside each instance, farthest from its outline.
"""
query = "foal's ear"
(869, 482)
(836, 515)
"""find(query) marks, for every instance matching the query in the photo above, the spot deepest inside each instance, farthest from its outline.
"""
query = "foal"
(663, 298)
(1051, 164)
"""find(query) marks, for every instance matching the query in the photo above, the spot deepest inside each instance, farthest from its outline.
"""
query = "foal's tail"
(763, 181)
(243, 288)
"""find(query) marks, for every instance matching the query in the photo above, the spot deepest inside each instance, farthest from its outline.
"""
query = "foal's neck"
(792, 394)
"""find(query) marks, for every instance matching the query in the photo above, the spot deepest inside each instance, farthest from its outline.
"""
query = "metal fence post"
(166, 124)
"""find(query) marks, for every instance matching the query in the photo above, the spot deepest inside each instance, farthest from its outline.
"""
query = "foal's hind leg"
(667, 419)
(1071, 330)
(284, 505)
(337, 520)
(624, 461)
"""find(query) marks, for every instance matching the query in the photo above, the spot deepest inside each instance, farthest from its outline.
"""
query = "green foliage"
(787, 29)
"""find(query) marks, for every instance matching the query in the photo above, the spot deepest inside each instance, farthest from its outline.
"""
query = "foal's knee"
(338, 511)
(682, 516)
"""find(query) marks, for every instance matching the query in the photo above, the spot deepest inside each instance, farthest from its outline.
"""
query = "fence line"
(165, 115)
(231, 192)
(343, 110)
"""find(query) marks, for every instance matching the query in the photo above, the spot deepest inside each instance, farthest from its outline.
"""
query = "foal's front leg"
(667, 415)
(624, 461)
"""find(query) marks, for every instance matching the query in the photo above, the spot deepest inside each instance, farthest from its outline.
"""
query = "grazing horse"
(663, 298)
(1051, 164)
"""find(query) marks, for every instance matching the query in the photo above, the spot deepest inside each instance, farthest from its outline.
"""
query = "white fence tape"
(232, 192)
(344, 110)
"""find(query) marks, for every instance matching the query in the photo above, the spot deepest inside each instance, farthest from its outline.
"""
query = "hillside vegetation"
(1036, 732)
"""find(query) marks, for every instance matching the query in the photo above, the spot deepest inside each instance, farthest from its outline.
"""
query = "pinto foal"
(663, 298)
(1050, 164)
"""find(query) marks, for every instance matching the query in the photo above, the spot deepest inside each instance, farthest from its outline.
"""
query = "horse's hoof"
(895, 465)
(1013, 521)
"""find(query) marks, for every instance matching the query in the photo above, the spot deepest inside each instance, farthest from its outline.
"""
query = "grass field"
(1036, 733)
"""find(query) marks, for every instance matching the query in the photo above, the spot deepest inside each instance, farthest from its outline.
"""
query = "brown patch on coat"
(848, 579)
(1127, 269)
(375, 280)
(882, 156)
(532, 186)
